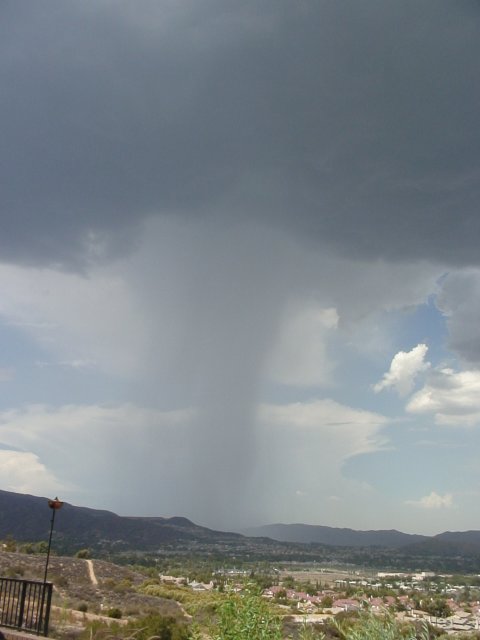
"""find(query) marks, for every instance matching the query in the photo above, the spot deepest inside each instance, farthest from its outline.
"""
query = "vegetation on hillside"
(149, 603)
(249, 617)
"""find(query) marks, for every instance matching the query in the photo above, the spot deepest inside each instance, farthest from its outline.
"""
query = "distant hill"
(317, 534)
(449, 543)
(27, 518)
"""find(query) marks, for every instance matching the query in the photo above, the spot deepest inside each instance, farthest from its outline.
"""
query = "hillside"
(27, 518)
(339, 537)
(116, 586)
(449, 543)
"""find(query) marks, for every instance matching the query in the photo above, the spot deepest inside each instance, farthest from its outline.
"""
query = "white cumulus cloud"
(433, 501)
(404, 369)
(452, 397)
(307, 445)
(23, 472)
(88, 453)
(346, 431)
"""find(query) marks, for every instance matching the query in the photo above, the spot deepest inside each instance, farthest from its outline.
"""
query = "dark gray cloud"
(353, 124)
(459, 301)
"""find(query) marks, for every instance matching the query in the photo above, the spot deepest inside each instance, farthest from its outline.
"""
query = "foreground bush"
(156, 626)
(144, 628)
(250, 617)
(246, 617)
(370, 627)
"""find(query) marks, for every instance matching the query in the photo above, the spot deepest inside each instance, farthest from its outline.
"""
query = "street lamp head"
(55, 503)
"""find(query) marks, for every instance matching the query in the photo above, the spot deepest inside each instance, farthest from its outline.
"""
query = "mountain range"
(317, 534)
(27, 518)
(449, 543)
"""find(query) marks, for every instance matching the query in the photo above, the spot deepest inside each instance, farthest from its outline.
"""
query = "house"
(346, 604)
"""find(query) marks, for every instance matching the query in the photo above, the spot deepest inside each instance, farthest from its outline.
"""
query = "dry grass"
(73, 590)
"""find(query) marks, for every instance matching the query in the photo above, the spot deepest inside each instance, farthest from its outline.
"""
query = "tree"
(157, 626)
(281, 595)
(438, 607)
(288, 582)
(41, 547)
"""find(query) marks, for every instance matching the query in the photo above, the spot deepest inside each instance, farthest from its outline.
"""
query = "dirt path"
(91, 573)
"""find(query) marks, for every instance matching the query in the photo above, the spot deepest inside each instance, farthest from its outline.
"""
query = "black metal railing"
(25, 605)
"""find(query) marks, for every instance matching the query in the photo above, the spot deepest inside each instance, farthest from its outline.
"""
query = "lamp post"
(54, 505)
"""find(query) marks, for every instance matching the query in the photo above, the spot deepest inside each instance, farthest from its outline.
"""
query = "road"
(91, 573)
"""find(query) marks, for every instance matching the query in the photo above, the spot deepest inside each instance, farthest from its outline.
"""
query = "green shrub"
(99, 630)
(160, 627)
(308, 632)
(247, 617)
(161, 591)
(123, 586)
(115, 612)
(370, 627)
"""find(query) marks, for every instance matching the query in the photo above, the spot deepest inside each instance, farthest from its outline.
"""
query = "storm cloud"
(219, 217)
(349, 123)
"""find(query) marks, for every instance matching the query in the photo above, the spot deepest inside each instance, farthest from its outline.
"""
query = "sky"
(239, 259)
